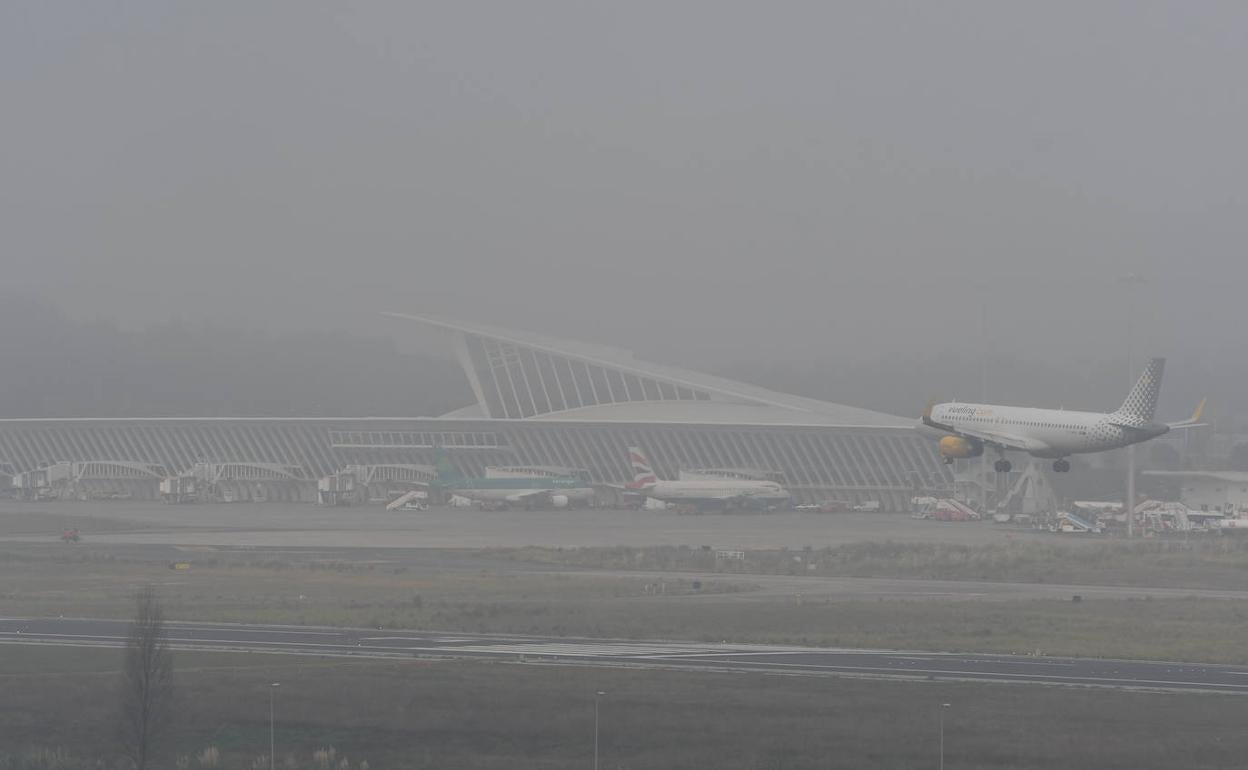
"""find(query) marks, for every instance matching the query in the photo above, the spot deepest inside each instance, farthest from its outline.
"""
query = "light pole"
(272, 711)
(597, 699)
(1130, 281)
(943, 706)
(983, 399)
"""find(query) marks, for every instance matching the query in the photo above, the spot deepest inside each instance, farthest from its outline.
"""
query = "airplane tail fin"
(443, 466)
(1141, 402)
(927, 412)
(643, 472)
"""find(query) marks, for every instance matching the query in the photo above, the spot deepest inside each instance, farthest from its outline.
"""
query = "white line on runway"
(588, 650)
(934, 658)
(1001, 676)
(397, 639)
(240, 630)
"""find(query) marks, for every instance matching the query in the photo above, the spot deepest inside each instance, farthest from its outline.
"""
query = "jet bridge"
(7, 473)
(384, 482)
(90, 480)
(232, 482)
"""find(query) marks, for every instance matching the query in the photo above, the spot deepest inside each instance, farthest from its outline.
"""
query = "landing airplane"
(1053, 433)
(726, 492)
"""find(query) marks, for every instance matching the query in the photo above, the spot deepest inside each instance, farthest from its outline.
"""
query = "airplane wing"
(529, 496)
(624, 488)
(1193, 421)
(1002, 440)
(993, 438)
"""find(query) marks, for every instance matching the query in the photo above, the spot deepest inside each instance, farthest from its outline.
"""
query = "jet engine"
(956, 447)
(559, 501)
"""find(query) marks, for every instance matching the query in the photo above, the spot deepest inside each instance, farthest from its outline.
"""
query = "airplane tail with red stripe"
(643, 472)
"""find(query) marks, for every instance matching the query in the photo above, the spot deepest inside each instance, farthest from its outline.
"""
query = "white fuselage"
(715, 490)
(505, 495)
(1043, 432)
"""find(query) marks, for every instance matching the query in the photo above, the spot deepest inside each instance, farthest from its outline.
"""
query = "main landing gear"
(1061, 466)
(1002, 466)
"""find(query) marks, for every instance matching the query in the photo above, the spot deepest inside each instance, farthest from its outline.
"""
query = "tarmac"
(737, 658)
(303, 525)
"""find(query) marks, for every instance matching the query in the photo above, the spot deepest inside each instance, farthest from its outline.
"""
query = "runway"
(742, 658)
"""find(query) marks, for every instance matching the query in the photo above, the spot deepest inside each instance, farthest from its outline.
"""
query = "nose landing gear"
(1002, 466)
(1061, 466)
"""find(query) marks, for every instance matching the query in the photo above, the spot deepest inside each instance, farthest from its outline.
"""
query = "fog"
(222, 210)
(712, 182)
(775, 194)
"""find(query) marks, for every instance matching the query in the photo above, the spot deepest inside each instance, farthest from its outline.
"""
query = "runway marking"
(397, 639)
(1002, 676)
(588, 650)
(720, 653)
(199, 641)
(742, 658)
(185, 628)
(192, 629)
(867, 670)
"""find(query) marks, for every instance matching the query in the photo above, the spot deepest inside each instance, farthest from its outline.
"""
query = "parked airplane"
(512, 489)
(1053, 433)
(725, 492)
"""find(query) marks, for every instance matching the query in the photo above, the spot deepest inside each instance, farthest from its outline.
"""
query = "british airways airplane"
(1053, 433)
(725, 493)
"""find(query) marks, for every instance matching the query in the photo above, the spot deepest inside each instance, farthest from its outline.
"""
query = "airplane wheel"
(1061, 466)
(1002, 466)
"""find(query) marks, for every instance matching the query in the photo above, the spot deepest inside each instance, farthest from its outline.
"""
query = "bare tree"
(146, 679)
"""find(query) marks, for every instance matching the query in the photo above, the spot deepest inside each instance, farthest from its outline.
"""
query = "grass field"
(481, 715)
(1198, 563)
(56, 704)
(51, 580)
(81, 581)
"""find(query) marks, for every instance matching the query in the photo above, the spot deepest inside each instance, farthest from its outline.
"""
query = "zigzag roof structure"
(521, 375)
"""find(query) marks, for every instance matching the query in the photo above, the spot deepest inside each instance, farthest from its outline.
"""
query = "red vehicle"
(69, 535)
(948, 509)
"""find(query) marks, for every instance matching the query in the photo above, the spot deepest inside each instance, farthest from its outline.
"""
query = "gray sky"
(711, 181)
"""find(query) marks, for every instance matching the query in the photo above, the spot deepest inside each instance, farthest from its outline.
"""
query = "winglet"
(1200, 409)
(1194, 421)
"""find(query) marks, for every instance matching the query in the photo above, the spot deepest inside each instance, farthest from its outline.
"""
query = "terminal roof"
(517, 374)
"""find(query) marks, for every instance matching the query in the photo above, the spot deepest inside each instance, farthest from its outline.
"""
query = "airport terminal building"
(539, 402)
